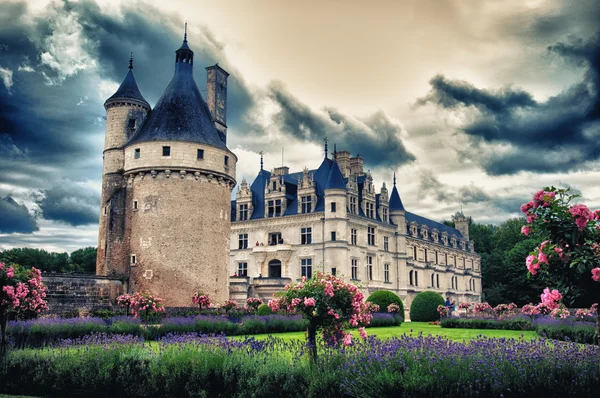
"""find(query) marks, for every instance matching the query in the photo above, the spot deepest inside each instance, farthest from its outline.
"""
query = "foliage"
(264, 309)
(329, 304)
(21, 291)
(567, 330)
(383, 298)
(424, 307)
(515, 323)
(229, 305)
(570, 251)
(81, 260)
(193, 365)
(142, 304)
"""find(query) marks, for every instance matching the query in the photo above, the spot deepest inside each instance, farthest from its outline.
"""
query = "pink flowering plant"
(229, 305)
(570, 254)
(142, 304)
(465, 306)
(21, 291)
(393, 308)
(252, 304)
(503, 310)
(483, 308)
(443, 311)
(201, 300)
(330, 305)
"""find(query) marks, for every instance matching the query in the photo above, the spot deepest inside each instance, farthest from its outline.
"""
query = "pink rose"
(10, 272)
(310, 302)
(542, 258)
(348, 339)
(525, 230)
(1, 266)
(596, 216)
(581, 214)
(526, 206)
(596, 274)
(363, 333)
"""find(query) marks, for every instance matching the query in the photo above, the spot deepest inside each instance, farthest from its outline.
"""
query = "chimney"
(356, 166)
(343, 160)
(216, 97)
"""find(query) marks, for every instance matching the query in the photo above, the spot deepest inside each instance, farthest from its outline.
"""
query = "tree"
(21, 290)
(81, 260)
(84, 260)
(570, 252)
(329, 304)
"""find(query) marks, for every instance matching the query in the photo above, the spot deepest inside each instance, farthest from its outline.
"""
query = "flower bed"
(48, 331)
(515, 323)
(192, 365)
(571, 329)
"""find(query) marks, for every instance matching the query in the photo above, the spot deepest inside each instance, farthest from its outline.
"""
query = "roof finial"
(131, 61)
(261, 160)
(325, 140)
(394, 178)
(335, 152)
(185, 32)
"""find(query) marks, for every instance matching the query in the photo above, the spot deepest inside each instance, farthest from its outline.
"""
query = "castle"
(166, 187)
(167, 222)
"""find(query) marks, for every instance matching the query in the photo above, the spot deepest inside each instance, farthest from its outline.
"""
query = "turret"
(397, 212)
(126, 111)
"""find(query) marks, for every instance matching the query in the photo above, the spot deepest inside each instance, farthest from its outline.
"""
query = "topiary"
(424, 307)
(383, 298)
(264, 309)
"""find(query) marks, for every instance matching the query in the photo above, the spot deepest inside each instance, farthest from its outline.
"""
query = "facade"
(289, 225)
(166, 187)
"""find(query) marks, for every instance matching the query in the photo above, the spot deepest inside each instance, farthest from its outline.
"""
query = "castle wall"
(180, 236)
(82, 294)
(184, 155)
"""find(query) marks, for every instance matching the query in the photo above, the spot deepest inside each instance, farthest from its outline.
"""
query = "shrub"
(487, 323)
(424, 307)
(383, 298)
(567, 330)
(264, 309)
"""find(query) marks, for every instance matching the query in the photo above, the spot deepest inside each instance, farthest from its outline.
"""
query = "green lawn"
(415, 328)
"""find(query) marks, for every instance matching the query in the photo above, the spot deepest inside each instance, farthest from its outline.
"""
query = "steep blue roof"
(410, 217)
(258, 194)
(181, 113)
(395, 202)
(336, 178)
(129, 89)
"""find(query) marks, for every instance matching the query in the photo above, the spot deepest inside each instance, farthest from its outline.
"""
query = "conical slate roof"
(395, 202)
(336, 178)
(129, 89)
(181, 113)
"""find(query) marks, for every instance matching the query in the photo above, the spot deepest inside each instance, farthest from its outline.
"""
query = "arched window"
(274, 269)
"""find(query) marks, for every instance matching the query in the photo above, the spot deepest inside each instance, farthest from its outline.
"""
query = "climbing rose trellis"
(571, 251)
(329, 304)
(21, 290)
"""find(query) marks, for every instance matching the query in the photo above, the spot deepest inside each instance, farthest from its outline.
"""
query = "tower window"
(166, 151)
(137, 153)
(334, 271)
(135, 205)
(133, 259)
(226, 161)
(333, 207)
(131, 123)
(333, 236)
(200, 154)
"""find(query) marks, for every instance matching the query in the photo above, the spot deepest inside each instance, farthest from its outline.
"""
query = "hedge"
(480, 323)
(424, 307)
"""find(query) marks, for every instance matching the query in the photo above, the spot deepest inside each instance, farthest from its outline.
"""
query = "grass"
(414, 328)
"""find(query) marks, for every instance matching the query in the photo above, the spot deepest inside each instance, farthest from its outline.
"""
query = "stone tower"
(126, 110)
(177, 176)
(462, 224)
(216, 97)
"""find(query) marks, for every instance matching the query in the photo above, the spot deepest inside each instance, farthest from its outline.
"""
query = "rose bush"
(21, 291)
(201, 300)
(329, 304)
(142, 304)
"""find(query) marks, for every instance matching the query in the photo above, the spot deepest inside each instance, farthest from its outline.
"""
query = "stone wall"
(68, 293)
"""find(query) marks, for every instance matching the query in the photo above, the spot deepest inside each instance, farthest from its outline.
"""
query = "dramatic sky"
(472, 103)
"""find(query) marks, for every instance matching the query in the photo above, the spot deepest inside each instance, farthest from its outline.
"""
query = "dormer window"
(353, 205)
(384, 214)
(306, 204)
(243, 212)
(274, 208)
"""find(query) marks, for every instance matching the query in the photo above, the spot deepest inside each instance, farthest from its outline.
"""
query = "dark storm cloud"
(430, 186)
(15, 218)
(563, 132)
(70, 203)
(376, 138)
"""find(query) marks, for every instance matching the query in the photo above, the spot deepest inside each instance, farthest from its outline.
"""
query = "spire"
(261, 160)
(325, 140)
(395, 202)
(185, 32)
(128, 89)
(335, 152)
(184, 54)
(336, 178)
